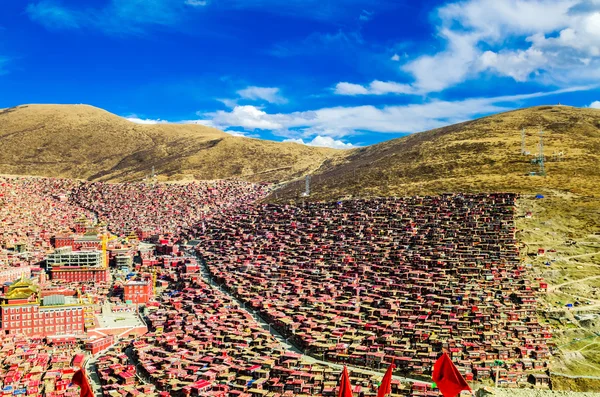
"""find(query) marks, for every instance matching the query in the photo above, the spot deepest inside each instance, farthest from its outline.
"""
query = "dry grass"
(477, 156)
(576, 385)
(80, 141)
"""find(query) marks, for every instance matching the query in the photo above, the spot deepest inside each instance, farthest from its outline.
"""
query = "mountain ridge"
(480, 155)
(85, 142)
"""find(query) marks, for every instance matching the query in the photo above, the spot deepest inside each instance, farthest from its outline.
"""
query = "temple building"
(23, 312)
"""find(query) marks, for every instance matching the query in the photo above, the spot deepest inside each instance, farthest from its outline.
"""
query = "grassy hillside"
(80, 141)
(480, 155)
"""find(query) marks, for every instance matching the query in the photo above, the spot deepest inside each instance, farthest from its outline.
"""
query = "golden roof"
(21, 289)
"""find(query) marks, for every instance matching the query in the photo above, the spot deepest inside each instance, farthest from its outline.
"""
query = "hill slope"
(80, 141)
(475, 156)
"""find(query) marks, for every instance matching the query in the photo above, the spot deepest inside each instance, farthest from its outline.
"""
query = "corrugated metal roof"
(53, 300)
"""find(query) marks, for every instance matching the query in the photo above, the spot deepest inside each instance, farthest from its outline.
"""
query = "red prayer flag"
(385, 387)
(345, 386)
(81, 380)
(447, 378)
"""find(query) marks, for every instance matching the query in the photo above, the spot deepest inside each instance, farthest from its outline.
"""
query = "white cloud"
(437, 72)
(395, 57)
(206, 123)
(350, 89)
(365, 16)
(230, 103)
(549, 41)
(595, 105)
(269, 94)
(196, 3)
(375, 88)
(115, 17)
(517, 64)
(236, 133)
(345, 121)
(137, 120)
(323, 141)
(248, 117)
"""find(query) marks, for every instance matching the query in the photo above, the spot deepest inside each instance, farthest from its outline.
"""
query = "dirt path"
(559, 286)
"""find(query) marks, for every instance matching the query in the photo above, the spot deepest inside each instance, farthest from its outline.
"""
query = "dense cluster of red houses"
(376, 281)
(364, 283)
(39, 367)
(162, 208)
(203, 343)
(32, 210)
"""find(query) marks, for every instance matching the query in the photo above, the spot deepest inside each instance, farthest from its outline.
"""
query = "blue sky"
(323, 72)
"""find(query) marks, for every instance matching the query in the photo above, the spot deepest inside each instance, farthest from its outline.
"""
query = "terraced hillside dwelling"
(203, 343)
(161, 208)
(371, 282)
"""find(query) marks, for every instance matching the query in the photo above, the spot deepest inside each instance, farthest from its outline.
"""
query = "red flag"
(81, 380)
(345, 386)
(447, 378)
(385, 387)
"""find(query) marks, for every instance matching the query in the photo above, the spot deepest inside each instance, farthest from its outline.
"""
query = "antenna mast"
(153, 176)
(541, 155)
(307, 186)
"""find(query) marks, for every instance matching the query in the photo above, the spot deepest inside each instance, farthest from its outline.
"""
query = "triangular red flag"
(385, 387)
(447, 378)
(345, 386)
(80, 380)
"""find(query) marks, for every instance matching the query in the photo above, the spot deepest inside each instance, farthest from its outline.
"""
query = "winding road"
(285, 341)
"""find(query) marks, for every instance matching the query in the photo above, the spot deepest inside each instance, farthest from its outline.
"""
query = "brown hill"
(80, 141)
(477, 156)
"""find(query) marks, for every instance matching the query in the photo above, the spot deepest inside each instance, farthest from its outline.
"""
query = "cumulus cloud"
(595, 105)
(395, 57)
(323, 141)
(249, 117)
(269, 94)
(350, 89)
(375, 88)
(434, 73)
(550, 41)
(345, 121)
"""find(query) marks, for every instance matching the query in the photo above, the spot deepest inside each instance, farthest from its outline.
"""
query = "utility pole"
(523, 142)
